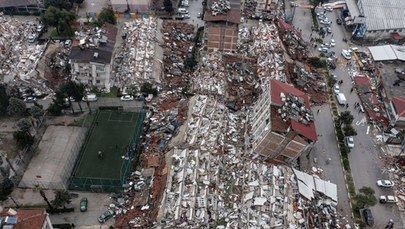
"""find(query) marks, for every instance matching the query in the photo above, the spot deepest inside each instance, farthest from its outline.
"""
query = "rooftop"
(387, 52)
(26, 218)
(293, 105)
(399, 104)
(383, 14)
(98, 46)
(11, 3)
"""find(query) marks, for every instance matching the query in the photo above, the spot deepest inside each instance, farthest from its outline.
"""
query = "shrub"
(317, 62)
(346, 164)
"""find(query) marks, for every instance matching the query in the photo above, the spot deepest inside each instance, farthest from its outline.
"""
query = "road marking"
(382, 149)
(368, 130)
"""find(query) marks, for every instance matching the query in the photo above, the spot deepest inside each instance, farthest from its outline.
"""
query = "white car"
(332, 43)
(389, 199)
(127, 98)
(336, 88)
(350, 142)
(346, 54)
(385, 183)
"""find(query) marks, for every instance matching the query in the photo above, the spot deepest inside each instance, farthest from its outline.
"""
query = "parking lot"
(97, 204)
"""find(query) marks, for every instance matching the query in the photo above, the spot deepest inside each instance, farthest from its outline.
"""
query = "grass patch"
(113, 93)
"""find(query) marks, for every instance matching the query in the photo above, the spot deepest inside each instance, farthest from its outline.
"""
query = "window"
(97, 81)
(100, 68)
(395, 30)
(399, 30)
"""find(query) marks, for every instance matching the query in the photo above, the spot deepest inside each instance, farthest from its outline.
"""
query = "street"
(365, 157)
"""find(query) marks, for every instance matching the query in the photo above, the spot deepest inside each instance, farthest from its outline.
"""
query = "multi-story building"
(282, 123)
(91, 57)
(376, 19)
(21, 6)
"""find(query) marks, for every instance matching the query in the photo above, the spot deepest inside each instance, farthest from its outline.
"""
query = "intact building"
(91, 57)
(283, 124)
(134, 6)
(376, 19)
(21, 6)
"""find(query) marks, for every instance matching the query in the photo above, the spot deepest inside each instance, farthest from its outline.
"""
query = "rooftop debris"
(220, 7)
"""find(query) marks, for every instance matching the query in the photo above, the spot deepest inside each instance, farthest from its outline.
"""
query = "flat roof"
(353, 8)
(383, 14)
(387, 52)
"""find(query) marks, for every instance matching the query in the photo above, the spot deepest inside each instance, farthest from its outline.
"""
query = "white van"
(341, 98)
(90, 98)
(346, 54)
(182, 11)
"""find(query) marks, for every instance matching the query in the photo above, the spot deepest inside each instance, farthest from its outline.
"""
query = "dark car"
(331, 64)
(105, 216)
(83, 204)
(339, 21)
(368, 217)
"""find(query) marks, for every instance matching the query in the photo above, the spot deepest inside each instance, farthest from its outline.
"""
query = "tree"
(106, 15)
(74, 90)
(24, 139)
(365, 198)
(349, 130)
(317, 62)
(147, 88)
(16, 106)
(6, 187)
(60, 4)
(55, 108)
(79, 1)
(168, 6)
(62, 197)
(346, 117)
(62, 20)
(3, 100)
(36, 112)
(24, 125)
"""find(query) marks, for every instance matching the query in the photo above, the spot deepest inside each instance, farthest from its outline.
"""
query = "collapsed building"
(222, 19)
(283, 124)
(91, 56)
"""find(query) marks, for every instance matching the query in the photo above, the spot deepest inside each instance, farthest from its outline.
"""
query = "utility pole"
(46, 199)
(4, 154)
(15, 202)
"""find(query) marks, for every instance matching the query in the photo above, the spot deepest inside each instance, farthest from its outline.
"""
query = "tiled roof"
(399, 104)
(278, 87)
(28, 218)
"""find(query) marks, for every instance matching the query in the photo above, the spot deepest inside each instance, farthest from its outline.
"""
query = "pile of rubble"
(249, 8)
(135, 59)
(292, 40)
(178, 37)
(19, 57)
(266, 48)
(220, 7)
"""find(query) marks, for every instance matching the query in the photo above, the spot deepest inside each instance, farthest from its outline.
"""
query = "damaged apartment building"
(283, 124)
(91, 56)
(222, 19)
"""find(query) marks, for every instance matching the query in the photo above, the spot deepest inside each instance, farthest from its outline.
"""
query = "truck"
(341, 98)
(90, 98)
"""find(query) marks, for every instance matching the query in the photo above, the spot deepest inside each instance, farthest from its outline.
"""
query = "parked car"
(350, 142)
(332, 42)
(389, 199)
(186, 16)
(346, 54)
(32, 38)
(127, 98)
(90, 98)
(336, 88)
(323, 50)
(68, 43)
(40, 28)
(339, 21)
(331, 55)
(329, 29)
(83, 204)
(199, 15)
(331, 64)
(30, 99)
(368, 217)
(105, 216)
(385, 183)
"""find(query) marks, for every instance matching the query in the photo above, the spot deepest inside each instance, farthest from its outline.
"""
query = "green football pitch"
(110, 133)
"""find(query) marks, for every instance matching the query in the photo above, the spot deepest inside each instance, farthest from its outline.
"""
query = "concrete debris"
(134, 60)
(263, 43)
(220, 7)
(19, 56)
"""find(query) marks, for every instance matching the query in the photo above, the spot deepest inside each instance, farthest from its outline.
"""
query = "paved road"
(326, 147)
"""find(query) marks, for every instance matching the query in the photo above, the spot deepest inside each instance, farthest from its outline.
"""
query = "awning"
(396, 36)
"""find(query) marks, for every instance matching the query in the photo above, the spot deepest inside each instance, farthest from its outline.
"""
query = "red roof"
(399, 104)
(276, 87)
(284, 26)
(28, 218)
(307, 131)
(361, 80)
(396, 36)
